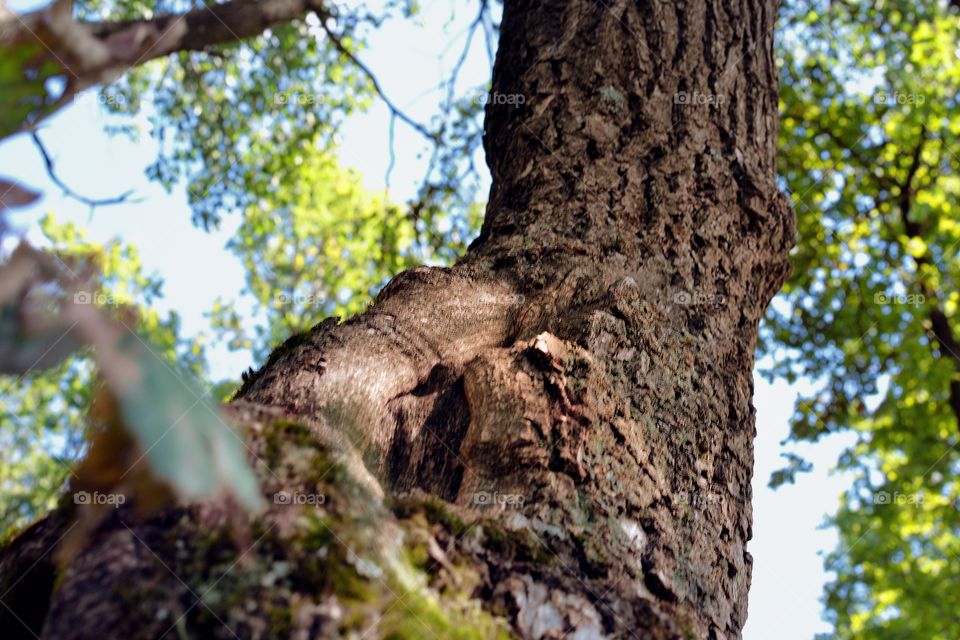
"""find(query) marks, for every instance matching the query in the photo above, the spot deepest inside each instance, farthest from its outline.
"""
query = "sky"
(788, 541)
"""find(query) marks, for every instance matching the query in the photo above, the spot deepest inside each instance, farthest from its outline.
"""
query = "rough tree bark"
(556, 433)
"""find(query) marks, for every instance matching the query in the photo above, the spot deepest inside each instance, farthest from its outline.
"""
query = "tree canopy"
(868, 154)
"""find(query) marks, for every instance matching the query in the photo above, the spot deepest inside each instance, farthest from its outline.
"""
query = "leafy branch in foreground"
(67, 346)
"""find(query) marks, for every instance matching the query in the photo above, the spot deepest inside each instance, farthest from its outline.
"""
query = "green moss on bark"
(344, 566)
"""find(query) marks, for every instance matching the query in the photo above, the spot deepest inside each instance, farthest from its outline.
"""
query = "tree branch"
(92, 53)
(91, 202)
(947, 344)
(209, 25)
(395, 111)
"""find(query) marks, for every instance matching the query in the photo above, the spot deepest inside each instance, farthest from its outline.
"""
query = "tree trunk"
(558, 429)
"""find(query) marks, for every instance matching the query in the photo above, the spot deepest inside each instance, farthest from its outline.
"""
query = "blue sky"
(788, 574)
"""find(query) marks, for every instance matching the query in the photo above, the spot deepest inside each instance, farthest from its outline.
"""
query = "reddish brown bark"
(590, 356)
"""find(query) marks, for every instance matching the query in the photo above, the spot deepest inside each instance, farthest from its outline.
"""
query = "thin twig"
(396, 111)
(393, 154)
(90, 202)
(451, 87)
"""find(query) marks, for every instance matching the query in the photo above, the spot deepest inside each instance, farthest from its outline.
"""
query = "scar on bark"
(392, 381)
(380, 376)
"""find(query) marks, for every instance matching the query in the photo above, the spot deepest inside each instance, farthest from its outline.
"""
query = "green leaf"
(187, 441)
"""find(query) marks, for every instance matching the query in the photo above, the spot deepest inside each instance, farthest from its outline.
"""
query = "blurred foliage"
(24, 96)
(868, 153)
(44, 412)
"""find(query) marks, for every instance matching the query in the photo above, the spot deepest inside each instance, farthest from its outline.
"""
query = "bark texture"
(559, 428)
